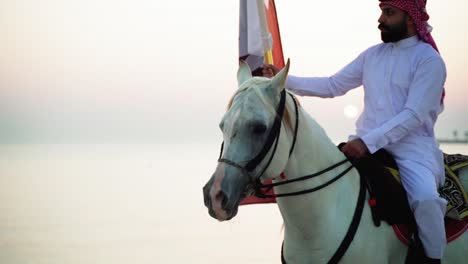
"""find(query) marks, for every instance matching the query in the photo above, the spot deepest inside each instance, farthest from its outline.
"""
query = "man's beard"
(394, 33)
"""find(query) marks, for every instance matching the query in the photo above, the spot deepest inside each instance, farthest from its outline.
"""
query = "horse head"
(248, 127)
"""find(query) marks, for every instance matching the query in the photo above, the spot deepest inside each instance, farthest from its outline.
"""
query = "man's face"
(393, 24)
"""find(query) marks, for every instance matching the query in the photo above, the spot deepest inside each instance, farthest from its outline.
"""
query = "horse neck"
(314, 150)
(311, 217)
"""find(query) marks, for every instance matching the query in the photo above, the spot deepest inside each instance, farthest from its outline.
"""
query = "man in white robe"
(403, 80)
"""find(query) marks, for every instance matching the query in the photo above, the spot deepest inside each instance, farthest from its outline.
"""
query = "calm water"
(125, 204)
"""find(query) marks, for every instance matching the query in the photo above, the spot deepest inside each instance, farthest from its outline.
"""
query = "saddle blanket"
(453, 230)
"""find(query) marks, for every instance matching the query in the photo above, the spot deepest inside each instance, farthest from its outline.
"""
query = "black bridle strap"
(304, 177)
(278, 135)
(232, 163)
(273, 135)
(260, 194)
(296, 127)
(221, 151)
(271, 156)
(353, 227)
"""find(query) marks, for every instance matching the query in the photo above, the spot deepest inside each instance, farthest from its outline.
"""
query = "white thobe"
(403, 85)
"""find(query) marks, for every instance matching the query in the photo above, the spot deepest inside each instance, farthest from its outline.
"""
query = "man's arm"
(424, 99)
(346, 79)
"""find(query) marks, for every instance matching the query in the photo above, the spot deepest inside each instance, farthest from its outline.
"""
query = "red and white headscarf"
(416, 9)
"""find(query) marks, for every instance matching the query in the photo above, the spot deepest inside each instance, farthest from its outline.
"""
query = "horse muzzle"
(224, 191)
(218, 204)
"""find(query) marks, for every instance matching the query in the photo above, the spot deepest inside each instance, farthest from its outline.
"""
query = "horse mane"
(256, 83)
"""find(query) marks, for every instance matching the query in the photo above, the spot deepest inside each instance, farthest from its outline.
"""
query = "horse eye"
(259, 129)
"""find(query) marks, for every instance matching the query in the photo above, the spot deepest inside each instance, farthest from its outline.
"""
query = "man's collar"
(407, 42)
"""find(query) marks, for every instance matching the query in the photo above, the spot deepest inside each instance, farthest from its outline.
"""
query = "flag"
(272, 21)
(259, 43)
(259, 35)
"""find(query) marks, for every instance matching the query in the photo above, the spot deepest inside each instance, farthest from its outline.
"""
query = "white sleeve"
(346, 79)
(423, 103)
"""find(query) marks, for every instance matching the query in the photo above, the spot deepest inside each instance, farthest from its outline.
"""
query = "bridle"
(272, 141)
(255, 182)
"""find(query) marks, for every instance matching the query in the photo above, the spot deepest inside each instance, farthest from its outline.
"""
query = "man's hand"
(269, 70)
(355, 149)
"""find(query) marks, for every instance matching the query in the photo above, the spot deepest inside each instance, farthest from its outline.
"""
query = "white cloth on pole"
(253, 39)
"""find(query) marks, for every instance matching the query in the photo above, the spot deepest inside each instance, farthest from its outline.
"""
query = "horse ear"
(279, 81)
(243, 73)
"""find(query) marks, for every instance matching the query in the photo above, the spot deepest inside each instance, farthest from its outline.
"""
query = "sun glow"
(350, 111)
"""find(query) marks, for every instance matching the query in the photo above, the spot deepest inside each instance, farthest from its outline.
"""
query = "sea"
(126, 204)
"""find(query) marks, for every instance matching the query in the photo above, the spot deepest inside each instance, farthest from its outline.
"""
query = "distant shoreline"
(453, 141)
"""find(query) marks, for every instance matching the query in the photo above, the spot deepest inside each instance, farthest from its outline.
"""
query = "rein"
(271, 185)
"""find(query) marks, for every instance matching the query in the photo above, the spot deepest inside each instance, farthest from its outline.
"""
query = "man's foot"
(416, 254)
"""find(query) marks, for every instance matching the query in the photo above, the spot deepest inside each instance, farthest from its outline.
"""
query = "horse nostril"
(221, 196)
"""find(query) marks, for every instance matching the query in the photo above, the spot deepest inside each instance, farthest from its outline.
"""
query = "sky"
(163, 71)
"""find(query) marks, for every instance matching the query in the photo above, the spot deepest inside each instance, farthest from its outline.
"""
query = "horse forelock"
(254, 83)
(258, 85)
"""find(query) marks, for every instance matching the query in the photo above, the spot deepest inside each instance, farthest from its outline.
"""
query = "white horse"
(315, 223)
